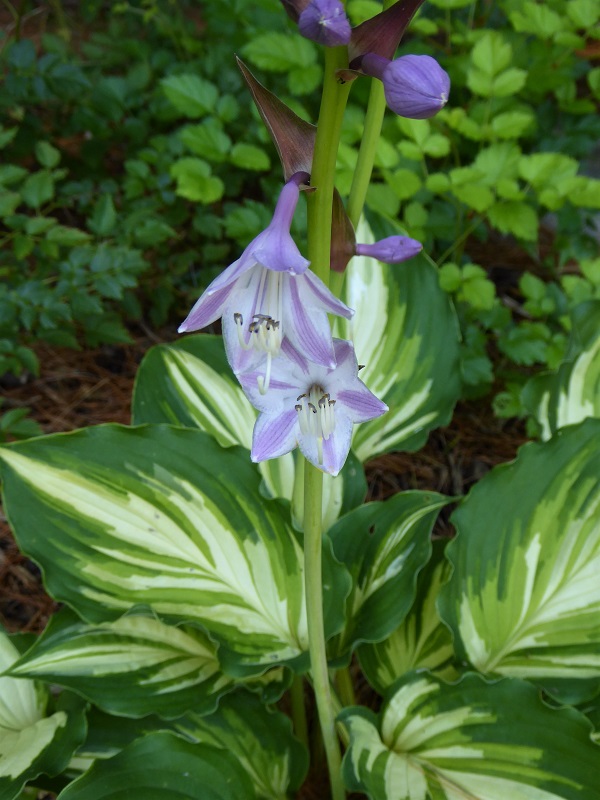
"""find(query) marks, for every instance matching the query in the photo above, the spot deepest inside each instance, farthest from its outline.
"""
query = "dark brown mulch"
(76, 389)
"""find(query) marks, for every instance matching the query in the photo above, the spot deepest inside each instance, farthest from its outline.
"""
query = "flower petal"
(315, 294)
(360, 404)
(307, 329)
(337, 447)
(207, 309)
(277, 251)
(274, 435)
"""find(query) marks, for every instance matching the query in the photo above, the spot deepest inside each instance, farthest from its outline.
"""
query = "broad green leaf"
(104, 218)
(194, 181)
(38, 188)
(422, 641)
(280, 52)
(524, 597)
(190, 383)
(163, 766)
(163, 517)
(46, 154)
(31, 743)
(471, 740)
(384, 545)
(207, 140)
(191, 95)
(510, 216)
(492, 53)
(405, 332)
(136, 665)
(571, 393)
(248, 156)
(260, 739)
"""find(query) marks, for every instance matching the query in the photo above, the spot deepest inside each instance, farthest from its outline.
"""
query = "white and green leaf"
(31, 741)
(571, 393)
(405, 332)
(163, 517)
(524, 597)
(136, 665)
(384, 546)
(472, 739)
(163, 766)
(261, 740)
(190, 383)
(421, 641)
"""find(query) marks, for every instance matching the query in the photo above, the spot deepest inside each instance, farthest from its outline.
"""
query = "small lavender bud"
(392, 250)
(325, 22)
(415, 86)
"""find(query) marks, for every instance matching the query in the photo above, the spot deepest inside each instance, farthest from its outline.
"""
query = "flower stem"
(313, 494)
(331, 115)
(299, 709)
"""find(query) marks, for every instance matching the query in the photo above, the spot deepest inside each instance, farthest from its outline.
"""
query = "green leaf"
(38, 188)
(104, 217)
(570, 394)
(511, 216)
(280, 52)
(260, 739)
(47, 155)
(422, 641)
(525, 343)
(68, 237)
(524, 598)
(163, 766)
(541, 21)
(207, 140)
(405, 332)
(32, 743)
(472, 739)
(7, 135)
(513, 124)
(190, 94)
(164, 518)
(477, 197)
(547, 168)
(492, 53)
(9, 201)
(384, 546)
(136, 665)
(194, 181)
(248, 156)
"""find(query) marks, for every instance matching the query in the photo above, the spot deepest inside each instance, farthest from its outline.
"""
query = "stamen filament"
(316, 417)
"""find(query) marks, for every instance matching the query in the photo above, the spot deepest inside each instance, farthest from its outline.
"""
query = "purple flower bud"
(392, 250)
(325, 22)
(415, 86)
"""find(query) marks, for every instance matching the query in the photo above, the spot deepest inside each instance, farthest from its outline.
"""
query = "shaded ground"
(76, 389)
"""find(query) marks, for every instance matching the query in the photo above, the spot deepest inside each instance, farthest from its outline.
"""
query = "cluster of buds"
(273, 308)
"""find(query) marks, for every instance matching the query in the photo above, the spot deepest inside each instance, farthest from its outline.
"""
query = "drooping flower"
(325, 22)
(415, 86)
(312, 407)
(269, 295)
(391, 250)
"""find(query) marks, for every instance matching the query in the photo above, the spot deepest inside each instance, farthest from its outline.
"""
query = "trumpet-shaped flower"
(269, 295)
(312, 407)
(415, 86)
(325, 22)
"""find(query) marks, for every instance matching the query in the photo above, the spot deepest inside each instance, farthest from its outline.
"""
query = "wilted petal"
(392, 250)
(325, 22)
(274, 435)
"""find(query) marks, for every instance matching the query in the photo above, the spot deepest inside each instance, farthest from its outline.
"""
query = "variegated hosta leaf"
(471, 740)
(384, 545)
(190, 383)
(136, 666)
(260, 739)
(32, 742)
(405, 332)
(163, 517)
(524, 597)
(571, 393)
(163, 766)
(421, 641)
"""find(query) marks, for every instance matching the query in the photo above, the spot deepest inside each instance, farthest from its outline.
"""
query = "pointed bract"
(311, 407)
(382, 33)
(325, 22)
(293, 137)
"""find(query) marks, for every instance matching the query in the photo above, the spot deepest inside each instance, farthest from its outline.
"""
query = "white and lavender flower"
(325, 22)
(415, 86)
(268, 296)
(312, 407)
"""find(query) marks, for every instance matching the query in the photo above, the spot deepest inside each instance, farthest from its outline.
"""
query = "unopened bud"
(415, 86)
(325, 22)
(392, 250)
